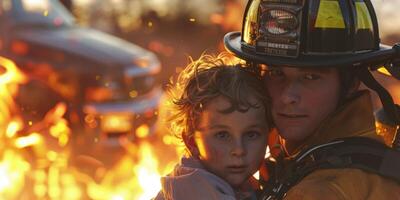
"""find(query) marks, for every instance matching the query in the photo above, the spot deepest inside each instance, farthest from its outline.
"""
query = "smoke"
(130, 11)
(126, 15)
(388, 15)
(201, 12)
(163, 8)
(177, 8)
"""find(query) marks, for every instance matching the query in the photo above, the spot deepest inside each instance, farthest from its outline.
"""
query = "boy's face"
(301, 99)
(231, 145)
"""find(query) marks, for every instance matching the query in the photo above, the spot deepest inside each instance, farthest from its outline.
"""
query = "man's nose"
(291, 94)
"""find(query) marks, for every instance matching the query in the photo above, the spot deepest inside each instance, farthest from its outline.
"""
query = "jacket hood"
(189, 180)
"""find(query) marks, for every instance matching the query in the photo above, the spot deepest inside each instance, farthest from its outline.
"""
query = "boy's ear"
(191, 145)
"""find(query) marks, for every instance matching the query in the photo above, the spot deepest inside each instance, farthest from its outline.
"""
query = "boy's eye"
(252, 134)
(312, 77)
(222, 135)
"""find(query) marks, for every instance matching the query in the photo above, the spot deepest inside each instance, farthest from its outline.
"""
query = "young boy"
(221, 112)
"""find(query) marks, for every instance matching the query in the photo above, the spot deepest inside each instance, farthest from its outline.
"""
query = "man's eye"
(222, 135)
(275, 73)
(252, 134)
(312, 77)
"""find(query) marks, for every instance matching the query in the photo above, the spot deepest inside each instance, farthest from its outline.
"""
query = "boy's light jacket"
(355, 118)
(190, 181)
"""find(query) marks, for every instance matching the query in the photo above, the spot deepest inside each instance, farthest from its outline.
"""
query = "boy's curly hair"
(207, 78)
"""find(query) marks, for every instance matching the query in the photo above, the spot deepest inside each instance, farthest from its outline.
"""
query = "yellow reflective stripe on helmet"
(363, 18)
(383, 70)
(251, 21)
(329, 15)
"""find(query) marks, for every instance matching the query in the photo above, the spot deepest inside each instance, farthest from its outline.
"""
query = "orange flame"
(148, 174)
(38, 163)
(13, 167)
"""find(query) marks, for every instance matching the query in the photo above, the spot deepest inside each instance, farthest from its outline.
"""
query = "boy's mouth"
(236, 168)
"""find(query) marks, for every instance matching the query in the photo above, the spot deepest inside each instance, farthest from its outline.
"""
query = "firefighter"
(313, 55)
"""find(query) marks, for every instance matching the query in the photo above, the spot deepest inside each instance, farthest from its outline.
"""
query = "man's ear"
(191, 145)
(354, 87)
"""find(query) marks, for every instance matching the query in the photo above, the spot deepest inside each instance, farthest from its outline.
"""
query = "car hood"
(88, 43)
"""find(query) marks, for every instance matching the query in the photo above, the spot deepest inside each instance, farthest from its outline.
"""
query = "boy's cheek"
(191, 145)
(204, 148)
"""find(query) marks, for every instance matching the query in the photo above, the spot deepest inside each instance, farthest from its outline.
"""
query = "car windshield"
(48, 13)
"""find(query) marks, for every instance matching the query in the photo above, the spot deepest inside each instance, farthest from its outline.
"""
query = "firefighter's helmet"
(318, 33)
(310, 33)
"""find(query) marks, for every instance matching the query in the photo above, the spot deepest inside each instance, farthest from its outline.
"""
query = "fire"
(38, 161)
(148, 173)
(130, 179)
(27, 141)
(8, 81)
(12, 174)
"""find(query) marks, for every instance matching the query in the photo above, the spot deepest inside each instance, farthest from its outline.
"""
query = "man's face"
(301, 99)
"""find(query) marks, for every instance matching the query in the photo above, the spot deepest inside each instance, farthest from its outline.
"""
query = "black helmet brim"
(233, 44)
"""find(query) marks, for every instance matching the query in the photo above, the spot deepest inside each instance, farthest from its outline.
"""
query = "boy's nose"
(238, 150)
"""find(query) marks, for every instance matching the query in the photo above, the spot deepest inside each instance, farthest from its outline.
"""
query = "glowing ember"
(13, 128)
(142, 131)
(27, 141)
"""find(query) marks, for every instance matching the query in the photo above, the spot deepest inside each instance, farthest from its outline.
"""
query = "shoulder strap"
(355, 152)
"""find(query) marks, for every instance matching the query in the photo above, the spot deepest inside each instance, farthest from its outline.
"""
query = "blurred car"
(109, 84)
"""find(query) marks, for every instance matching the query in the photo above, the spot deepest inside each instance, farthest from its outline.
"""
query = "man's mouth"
(292, 116)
